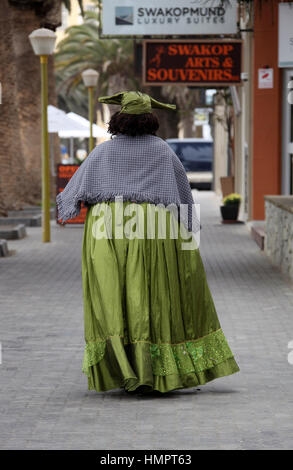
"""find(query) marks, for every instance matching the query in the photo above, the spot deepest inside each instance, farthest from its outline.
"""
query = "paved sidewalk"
(44, 402)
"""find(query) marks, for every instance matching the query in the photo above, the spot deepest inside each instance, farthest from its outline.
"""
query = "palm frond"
(82, 48)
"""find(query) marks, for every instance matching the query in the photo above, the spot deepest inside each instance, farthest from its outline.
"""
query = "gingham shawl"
(141, 169)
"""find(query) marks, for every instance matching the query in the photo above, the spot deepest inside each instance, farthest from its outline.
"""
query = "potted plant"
(230, 207)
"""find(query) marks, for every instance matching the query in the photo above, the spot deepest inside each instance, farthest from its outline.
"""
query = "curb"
(15, 233)
(4, 248)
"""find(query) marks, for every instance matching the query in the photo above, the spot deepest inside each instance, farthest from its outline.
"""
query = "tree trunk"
(21, 106)
(168, 119)
(198, 132)
(11, 156)
(186, 125)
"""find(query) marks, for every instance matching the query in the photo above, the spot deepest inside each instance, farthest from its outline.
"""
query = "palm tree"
(82, 48)
(187, 99)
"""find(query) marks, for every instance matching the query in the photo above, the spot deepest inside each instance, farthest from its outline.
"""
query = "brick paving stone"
(44, 401)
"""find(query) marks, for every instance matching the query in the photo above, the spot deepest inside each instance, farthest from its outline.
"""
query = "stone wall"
(279, 232)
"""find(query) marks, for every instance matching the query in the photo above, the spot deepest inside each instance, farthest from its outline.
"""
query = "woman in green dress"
(150, 321)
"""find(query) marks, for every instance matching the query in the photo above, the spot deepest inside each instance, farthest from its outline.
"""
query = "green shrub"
(232, 199)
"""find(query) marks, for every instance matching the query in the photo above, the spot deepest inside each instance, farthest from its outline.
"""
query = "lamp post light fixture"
(43, 43)
(90, 79)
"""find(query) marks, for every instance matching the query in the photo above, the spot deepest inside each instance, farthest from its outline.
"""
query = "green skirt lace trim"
(166, 359)
(93, 353)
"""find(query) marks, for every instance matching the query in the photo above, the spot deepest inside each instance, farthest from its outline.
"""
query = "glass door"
(290, 143)
(287, 137)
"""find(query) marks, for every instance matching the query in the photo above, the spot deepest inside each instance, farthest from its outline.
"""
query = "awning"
(72, 125)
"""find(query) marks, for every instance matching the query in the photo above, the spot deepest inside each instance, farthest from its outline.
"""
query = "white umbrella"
(58, 122)
(84, 130)
(71, 125)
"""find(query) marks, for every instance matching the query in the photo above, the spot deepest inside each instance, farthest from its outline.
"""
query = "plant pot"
(230, 212)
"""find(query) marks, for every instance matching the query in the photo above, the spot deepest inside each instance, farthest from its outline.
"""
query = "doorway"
(287, 133)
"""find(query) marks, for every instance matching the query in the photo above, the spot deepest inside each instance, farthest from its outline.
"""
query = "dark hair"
(133, 124)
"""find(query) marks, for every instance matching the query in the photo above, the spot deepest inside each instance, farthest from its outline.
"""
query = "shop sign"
(192, 63)
(169, 17)
(64, 173)
(265, 78)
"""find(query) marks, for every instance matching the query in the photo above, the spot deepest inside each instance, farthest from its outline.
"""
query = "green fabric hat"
(135, 102)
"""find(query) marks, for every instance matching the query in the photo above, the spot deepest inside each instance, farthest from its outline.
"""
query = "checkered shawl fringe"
(139, 169)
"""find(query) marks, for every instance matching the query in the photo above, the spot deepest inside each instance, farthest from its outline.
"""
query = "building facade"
(264, 128)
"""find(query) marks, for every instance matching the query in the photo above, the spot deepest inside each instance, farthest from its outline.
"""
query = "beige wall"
(72, 18)
(243, 148)
(220, 142)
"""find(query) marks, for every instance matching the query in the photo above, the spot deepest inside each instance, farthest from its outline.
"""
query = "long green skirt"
(149, 317)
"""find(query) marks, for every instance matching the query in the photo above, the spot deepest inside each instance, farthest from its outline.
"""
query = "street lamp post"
(90, 79)
(43, 43)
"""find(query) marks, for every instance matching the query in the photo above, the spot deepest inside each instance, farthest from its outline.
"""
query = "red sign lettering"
(195, 63)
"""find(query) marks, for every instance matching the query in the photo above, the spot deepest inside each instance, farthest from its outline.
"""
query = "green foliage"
(42, 7)
(232, 199)
(67, 4)
(81, 49)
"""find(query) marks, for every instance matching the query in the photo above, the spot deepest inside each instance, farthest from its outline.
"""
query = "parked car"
(196, 156)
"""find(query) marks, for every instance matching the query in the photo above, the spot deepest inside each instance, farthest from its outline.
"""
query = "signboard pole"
(46, 230)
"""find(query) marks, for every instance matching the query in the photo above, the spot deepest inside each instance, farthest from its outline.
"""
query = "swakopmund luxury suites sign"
(169, 17)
